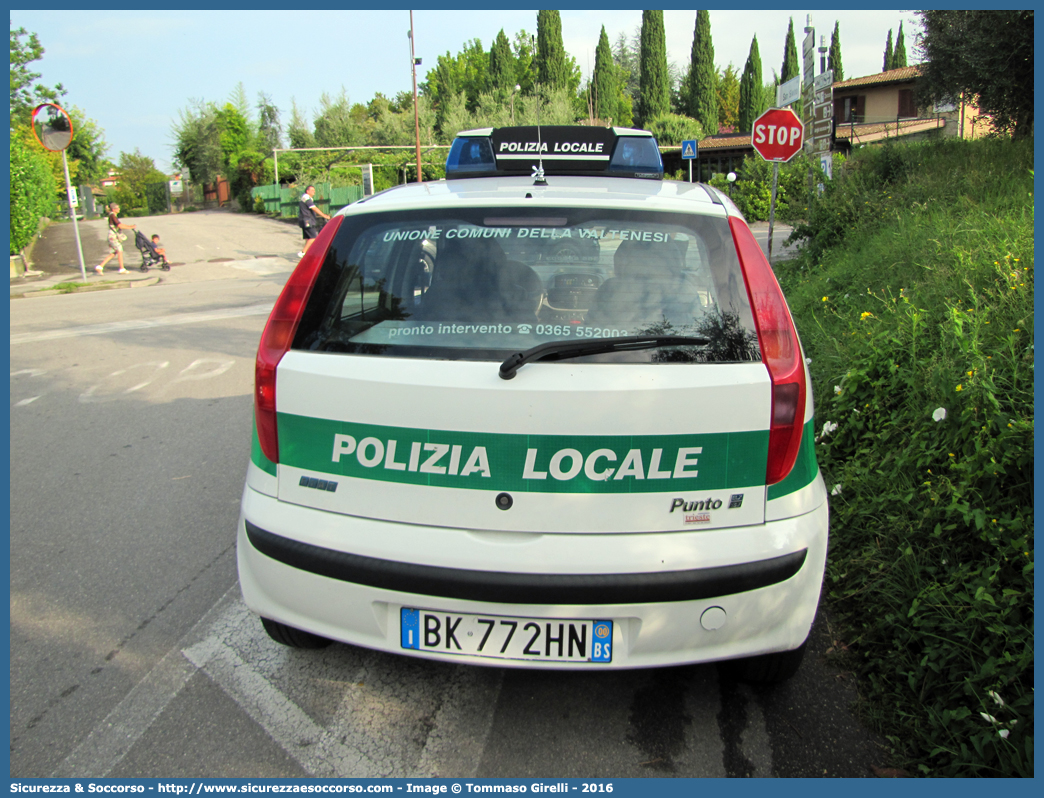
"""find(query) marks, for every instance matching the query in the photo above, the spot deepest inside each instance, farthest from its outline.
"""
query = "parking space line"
(371, 734)
(108, 743)
(284, 721)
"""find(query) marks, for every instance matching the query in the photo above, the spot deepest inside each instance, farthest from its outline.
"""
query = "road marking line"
(142, 324)
(108, 743)
(24, 402)
(384, 708)
(285, 722)
(373, 732)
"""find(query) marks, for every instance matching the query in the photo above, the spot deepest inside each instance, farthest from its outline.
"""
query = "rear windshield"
(479, 284)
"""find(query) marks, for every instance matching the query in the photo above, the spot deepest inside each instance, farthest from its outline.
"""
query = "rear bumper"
(347, 578)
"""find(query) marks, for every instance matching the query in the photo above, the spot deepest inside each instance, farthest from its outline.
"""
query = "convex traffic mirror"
(52, 127)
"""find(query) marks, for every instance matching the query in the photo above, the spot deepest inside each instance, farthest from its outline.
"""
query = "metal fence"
(282, 202)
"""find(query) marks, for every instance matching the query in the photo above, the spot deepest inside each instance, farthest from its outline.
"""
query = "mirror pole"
(72, 215)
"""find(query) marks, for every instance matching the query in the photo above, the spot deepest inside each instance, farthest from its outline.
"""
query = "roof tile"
(891, 76)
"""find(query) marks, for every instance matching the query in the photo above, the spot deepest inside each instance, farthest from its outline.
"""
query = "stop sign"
(777, 134)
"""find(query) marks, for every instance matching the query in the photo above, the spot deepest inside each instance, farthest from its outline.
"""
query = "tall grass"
(914, 298)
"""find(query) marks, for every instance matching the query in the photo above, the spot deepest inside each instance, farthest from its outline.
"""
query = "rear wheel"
(767, 668)
(295, 638)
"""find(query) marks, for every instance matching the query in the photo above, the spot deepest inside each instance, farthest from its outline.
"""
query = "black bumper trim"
(526, 588)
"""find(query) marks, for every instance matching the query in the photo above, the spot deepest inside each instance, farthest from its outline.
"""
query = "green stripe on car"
(805, 467)
(525, 463)
(258, 456)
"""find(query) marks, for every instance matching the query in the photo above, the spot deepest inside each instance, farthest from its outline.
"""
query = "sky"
(133, 71)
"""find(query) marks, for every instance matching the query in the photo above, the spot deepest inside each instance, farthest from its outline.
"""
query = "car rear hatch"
(391, 402)
(564, 447)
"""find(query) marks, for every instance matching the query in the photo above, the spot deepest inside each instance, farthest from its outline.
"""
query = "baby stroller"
(149, 255)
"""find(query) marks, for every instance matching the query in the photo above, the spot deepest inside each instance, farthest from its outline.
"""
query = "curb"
(88, 288)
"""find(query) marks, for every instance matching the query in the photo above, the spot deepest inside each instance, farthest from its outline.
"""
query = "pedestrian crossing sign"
(690, 149)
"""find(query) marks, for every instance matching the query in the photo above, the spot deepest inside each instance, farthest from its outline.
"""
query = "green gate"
(283, 202)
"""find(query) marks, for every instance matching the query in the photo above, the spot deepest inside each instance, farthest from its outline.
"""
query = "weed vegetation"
(914, 298)
(69, 288)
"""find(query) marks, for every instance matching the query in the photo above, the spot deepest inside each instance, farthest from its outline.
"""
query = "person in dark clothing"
(307, 219)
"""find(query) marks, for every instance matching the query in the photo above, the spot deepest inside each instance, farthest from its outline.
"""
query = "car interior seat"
(647, 286)
(474, 281)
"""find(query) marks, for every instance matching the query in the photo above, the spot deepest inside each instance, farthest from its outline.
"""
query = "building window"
(906, 104)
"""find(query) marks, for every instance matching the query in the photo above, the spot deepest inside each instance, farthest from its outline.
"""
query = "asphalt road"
(133, 655)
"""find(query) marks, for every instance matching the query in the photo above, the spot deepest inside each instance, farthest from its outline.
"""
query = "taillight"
(279, 334)
(780, 352)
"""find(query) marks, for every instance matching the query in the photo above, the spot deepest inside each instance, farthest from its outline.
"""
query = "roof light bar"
(560, 149)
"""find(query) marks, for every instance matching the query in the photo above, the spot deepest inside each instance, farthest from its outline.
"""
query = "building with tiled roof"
(884, 97)
(901, 75)
(865, 110)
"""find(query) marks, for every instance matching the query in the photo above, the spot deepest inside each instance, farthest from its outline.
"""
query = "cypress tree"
(751, 89)
(791, 66)
(501, 66)
(603, 82)
(728, 98)
(835, 54)
(888, 53)
(899, 53)
(654, 83)
(703, 77)
(552, 71)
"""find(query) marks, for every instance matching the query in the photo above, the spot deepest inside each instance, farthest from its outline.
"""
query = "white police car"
(549, 412)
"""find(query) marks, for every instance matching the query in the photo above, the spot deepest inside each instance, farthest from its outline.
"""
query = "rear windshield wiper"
(562, 350)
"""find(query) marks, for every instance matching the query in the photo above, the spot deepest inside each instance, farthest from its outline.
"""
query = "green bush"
(914, 298)
(33, 192)
(337, 168)
(156, 198)
(671, 130)
(752, 191)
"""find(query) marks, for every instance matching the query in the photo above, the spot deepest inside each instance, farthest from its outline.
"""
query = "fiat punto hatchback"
(550, 412)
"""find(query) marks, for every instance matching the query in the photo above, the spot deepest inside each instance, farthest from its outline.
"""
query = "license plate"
(503, 637)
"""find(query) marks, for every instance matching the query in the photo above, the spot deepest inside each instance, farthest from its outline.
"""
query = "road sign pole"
(772, 207)
(690, 170)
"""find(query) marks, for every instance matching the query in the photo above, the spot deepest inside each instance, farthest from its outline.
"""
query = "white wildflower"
(1004, 733)
(995, 697)
(837, 490)
(990, 718)
(939, 414)
(837, 389)
(828, 427)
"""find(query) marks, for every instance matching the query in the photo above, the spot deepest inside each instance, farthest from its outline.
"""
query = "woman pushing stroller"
(115, 239)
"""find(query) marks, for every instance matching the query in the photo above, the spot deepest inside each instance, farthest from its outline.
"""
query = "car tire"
(767, 668)
(294, 638)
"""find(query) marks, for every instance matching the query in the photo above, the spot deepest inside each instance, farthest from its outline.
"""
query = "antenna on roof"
(538, 171)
